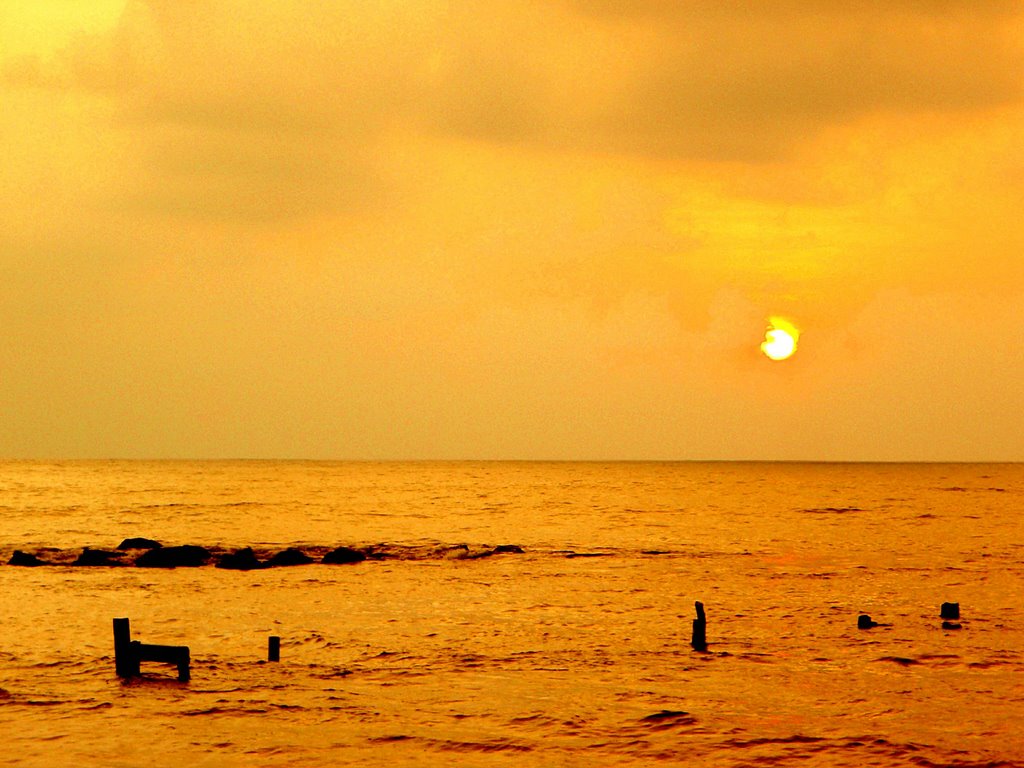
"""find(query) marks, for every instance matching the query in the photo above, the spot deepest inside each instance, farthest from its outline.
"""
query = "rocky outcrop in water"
(25, 559)
(139, 543)
(241, 560)
(148, 553)
(290, 556)
(93, 557)
(184, 556)
(343, 556)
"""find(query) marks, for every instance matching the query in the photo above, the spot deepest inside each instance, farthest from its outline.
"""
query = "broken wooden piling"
(274, 648)
(129, 654)
(699, 639)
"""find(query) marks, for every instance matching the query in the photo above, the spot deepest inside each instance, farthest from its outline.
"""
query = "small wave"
(218, 710)
(831, 510)
(794, 739)
(496, 745)
(903, 661)
(668, 718)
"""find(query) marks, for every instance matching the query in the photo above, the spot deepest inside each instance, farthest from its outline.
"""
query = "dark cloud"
(253, 111)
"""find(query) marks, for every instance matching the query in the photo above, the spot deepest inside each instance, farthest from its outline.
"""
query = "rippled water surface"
(574, 652)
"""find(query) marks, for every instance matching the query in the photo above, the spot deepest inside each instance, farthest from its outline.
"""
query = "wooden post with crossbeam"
(128, 653)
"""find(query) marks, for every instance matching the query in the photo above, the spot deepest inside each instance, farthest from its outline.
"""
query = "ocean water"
(575, 652)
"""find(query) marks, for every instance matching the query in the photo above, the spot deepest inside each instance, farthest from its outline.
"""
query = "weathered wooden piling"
(125, 663)
(866, 622)
(949, 611)
(128, 653)
(274, 648)
(699, 639)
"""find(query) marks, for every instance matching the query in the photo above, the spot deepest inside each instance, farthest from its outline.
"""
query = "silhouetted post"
(950, 611)
(125, 663)
(699, 640)
(184, 665)
(129, 654)
(274, 648)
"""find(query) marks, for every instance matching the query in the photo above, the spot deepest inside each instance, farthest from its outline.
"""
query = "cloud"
(260, 111)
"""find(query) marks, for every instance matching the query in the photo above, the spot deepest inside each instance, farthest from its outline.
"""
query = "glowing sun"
(780, 339)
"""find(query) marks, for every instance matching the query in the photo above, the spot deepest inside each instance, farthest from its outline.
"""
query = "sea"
(449, 646)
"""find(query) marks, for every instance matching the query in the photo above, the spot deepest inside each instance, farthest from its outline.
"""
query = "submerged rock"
(290, 556)
(139, 543)
(343, 556)
(186, 556)
(242, 560)
(25, 559)
(505, 549)
(97, 557)
(866, 622)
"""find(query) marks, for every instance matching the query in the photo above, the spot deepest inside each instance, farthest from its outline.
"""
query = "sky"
(511, 229)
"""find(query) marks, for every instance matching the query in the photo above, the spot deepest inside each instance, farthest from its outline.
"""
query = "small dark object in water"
(503, 549)
(274, 648)
(242, 560)
(139, 543)
(950, 611)
(865, 622)
(25, 559)
(97, 557)
(699, 639)
(343, 556)
(290, 556)
(952, 625)
(668, 718)
(665, 714)
(186, 556)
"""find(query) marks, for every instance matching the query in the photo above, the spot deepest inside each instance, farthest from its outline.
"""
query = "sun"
(780, 339)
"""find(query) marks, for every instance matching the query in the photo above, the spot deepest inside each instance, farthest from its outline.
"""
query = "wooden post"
(129, 654)
(123, 657)
(185, 666)
(950, 611)
(699, 640)
(274, 648)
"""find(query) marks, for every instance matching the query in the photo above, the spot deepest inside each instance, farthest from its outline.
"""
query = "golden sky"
(512, 229)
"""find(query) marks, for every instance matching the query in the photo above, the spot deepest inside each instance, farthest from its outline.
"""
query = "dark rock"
(864, 622)
(668, 718)
(503, 549)
(187, 556)
(343, 555)
(290, 556)
(97, 557)
(139, 543)
(25, 559)
(242, 560)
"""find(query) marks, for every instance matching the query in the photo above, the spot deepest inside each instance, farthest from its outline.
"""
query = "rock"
(139, 543)
(186, 556)
(290, 556)
(865, 622)
(25, 559)
(241, 560)
(503, 549)
(97, 557)
(342, 556)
